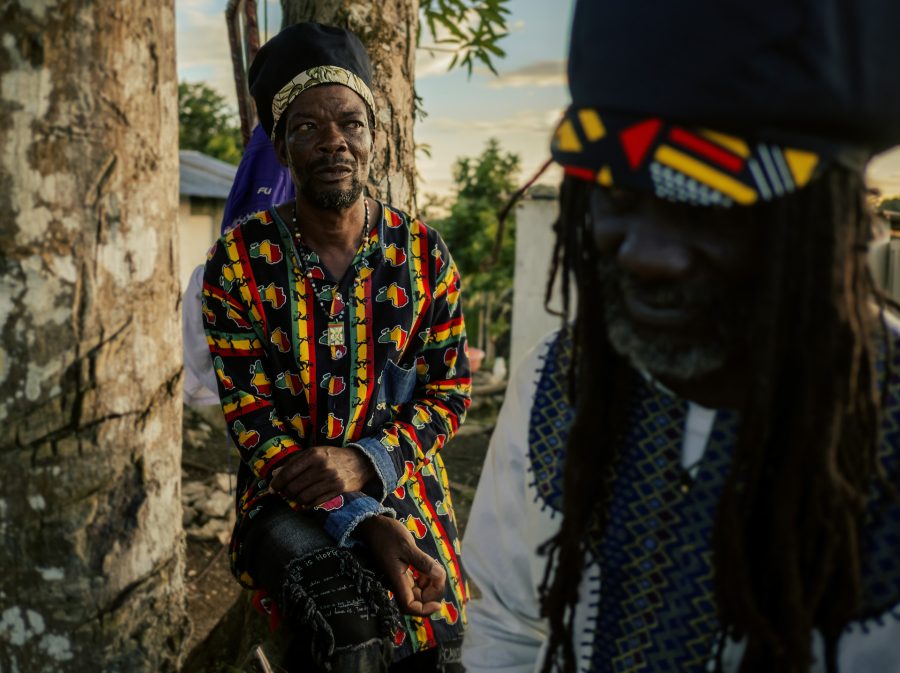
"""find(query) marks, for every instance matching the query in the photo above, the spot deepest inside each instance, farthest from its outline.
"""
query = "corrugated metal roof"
(202, 175)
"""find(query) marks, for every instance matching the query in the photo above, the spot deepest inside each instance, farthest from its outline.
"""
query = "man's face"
(678, 282)
(326, 142)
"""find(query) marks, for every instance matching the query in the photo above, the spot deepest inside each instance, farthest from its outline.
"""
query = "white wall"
(534, 247)
(197, 233)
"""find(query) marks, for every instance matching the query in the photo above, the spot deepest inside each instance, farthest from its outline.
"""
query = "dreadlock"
(786, 548)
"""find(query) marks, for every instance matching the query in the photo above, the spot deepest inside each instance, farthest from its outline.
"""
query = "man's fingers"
(402, 585)
(425, 599)
(437, 576)
(318, 495)
(420, 609)
(285, 474)
(307, 485)
(432, 593)
(428, 567)
(430, 607)
(309, 461)
(411, 598)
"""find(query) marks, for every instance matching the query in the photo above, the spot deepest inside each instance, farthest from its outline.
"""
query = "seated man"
(337, 336)
(702, 473)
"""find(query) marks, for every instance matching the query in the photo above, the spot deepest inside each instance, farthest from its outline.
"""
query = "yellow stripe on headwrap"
(321, 74)
(706, 175)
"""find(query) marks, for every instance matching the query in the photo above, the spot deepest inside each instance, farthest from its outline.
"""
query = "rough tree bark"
(90, 346)
(388, 28)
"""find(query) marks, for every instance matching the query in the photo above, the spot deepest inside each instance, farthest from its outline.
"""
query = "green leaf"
(424, 148)
(474, 36)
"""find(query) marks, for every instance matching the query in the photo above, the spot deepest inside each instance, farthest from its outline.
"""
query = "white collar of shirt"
(697, 427)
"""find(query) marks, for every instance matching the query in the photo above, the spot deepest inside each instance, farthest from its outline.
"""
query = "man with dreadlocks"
(701, 473)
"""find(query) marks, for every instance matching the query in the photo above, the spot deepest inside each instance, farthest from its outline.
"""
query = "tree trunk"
(388, 28)
(90, 341)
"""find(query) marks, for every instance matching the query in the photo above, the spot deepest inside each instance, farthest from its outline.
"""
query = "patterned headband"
(321, 74)
(678, 162)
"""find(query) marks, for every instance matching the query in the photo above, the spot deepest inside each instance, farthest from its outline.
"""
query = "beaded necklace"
(335, 312)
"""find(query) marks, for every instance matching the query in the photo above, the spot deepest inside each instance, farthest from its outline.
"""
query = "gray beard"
(333, 199)
(663, 359)
(654, 351)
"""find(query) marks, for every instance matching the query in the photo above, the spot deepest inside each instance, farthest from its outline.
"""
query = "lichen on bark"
(90, 352)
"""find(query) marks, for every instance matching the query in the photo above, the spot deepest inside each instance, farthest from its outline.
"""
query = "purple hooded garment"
(260, 181)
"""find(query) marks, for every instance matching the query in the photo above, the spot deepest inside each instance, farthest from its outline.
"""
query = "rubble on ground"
(209, 507)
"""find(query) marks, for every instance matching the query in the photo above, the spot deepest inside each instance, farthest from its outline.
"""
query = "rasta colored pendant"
(335, 334)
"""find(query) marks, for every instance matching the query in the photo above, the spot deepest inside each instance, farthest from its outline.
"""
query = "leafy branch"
(469, 28)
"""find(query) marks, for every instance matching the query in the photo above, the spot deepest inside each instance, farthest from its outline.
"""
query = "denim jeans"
(338, 615)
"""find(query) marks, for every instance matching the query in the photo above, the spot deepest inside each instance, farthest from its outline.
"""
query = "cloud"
(432, 62)
(202, 46)
(525, 121)
(537, 74)
(202, 36)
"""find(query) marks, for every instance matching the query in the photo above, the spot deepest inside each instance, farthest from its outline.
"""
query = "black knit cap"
(728, 101)
(302, 56)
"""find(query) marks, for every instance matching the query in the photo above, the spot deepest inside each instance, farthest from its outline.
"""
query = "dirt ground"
(211, 589)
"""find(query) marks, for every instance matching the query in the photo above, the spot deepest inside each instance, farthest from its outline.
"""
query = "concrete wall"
(534, 247)
(891, 266)
(198, 228)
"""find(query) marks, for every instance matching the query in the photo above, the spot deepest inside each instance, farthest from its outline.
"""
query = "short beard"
(333, 199)
(654, 351)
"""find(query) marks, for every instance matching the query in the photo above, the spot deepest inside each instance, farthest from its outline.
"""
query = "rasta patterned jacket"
(394, 384)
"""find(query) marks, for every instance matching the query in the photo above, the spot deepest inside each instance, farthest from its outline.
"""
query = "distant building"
(204, 183)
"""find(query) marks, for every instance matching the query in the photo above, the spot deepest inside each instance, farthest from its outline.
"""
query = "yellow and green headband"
(322, 74)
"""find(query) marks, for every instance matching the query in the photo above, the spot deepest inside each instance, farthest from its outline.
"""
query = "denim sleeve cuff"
(341, 522)
(381, 461)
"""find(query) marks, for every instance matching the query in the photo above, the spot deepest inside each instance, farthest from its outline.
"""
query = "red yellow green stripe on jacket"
(398, 388)
(680, 163)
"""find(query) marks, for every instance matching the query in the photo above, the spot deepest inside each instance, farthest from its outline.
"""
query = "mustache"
(693, 291)
(329, 162)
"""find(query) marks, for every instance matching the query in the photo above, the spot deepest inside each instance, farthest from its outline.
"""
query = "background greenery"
(207, 124)
(484, 185)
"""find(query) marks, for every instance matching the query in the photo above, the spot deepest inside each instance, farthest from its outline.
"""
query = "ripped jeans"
(339, 616)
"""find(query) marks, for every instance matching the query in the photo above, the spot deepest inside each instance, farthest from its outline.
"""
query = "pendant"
(335, 334)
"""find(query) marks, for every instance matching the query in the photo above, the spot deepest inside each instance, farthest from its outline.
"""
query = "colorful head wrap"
(303, 56)
(725, 103)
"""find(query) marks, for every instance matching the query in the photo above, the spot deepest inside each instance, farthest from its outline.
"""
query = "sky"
(520, 107)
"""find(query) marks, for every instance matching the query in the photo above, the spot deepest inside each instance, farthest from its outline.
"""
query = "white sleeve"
(199, 375)
(505, 632)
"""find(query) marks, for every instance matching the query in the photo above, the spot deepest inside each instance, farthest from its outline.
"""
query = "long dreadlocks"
(786, 535)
